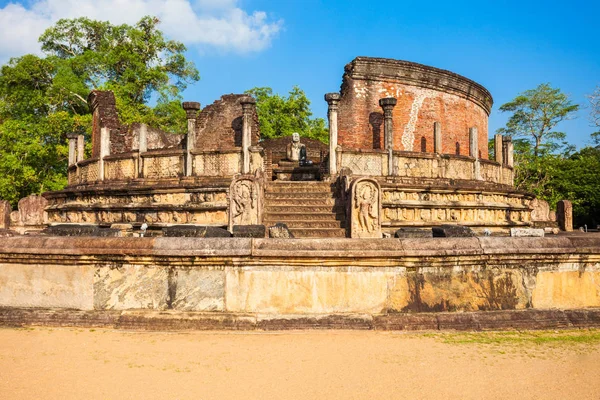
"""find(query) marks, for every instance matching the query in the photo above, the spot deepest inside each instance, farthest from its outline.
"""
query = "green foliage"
(42, 99)
(283, 115)
(535, 114)
(553, 177)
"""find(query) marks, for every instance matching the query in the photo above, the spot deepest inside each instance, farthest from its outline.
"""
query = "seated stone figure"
(296, 151)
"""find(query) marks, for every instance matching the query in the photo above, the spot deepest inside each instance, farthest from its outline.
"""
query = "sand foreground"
(48, 363)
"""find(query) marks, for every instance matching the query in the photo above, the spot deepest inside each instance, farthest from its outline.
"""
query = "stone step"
(303, 209)
(296, 195)
(292, 203)
(307, 224)
(327, 216)
(298, 187)
(318, 233)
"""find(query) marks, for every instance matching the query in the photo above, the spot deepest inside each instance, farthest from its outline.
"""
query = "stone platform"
(283, 283)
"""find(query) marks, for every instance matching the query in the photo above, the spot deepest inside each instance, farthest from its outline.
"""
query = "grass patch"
(567, 337)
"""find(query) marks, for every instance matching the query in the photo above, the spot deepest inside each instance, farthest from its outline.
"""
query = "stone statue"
(296, 151)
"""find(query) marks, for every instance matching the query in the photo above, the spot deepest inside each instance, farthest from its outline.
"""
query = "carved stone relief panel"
(365, 209)
(245, 202)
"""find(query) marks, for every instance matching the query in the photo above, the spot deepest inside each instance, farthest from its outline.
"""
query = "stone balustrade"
(161, 164)
(424, 165)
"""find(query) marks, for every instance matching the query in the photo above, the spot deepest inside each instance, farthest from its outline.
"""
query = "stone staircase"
(310, 209)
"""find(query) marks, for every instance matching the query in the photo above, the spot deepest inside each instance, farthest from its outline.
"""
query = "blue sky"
(507, 46)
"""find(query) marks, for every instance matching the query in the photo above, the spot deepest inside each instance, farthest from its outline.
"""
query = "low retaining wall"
(299, 280)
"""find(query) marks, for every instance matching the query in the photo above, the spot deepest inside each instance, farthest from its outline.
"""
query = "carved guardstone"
(564, 215)
(244, 202)
(365, 209)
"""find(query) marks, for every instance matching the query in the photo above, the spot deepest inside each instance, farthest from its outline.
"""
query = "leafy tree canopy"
(535, 114)
(283, 115)
(44, 98)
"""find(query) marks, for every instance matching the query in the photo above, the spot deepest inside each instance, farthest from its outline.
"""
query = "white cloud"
(203, 24)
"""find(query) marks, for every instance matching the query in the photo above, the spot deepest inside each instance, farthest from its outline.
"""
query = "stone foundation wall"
(300, 278)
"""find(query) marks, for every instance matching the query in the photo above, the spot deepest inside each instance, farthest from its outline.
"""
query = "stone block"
(80, 230)
(32, 210)
(280, 231)
(540, 210)
(5, 210)
(122, 287)
(526, 232)
(564, 215)
(7, 233)
(452, 231)
(413, 233)
(553, 231)
(195, 231)
(249, 231)
(46, 286)
(198, 289)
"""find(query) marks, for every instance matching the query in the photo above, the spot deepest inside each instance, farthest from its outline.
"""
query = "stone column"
(332, 100)
(80, 147)
(474, 151)
(564, 215)
(507, 151)
(388, 105)
(191, 111)
(72, 148)
(498, 148)
(437, 138)
(104, 150)
(142, 147)
(248, 104)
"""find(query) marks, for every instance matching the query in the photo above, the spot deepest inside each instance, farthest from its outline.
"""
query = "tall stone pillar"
(474, 151)
(72, 148)
(498, 157)
(191, 111)
(564, 215)
(437, 138)
(104, 150)
(332, 100)
(80, 147)
(248, 104)
(507, 151)
(388, 105)
(143, 147)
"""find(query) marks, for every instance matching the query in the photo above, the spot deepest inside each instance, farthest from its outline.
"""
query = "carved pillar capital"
(388, 104)
(191, 109)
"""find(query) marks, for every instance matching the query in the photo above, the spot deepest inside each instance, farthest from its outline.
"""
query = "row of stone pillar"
(503, 146)
(76, 141)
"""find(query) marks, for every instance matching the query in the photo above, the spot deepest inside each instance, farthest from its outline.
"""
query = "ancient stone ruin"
(407, 148)
(406, 173)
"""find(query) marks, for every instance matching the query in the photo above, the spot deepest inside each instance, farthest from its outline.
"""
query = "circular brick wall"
(425, 95)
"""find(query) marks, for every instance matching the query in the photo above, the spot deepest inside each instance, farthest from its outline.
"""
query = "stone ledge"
(177, 321)
(369, 250)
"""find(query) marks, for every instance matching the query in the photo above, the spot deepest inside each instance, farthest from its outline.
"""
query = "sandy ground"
(44, 363)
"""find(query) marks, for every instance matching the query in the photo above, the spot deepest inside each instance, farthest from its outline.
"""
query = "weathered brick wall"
(219, 125)
(104, 115)
(425, 95)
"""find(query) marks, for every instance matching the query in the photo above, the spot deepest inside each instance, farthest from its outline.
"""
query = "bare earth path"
(44, 363)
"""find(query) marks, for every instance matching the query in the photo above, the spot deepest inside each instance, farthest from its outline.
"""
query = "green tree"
(42, 99)
(283, 115)
(535, 114)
